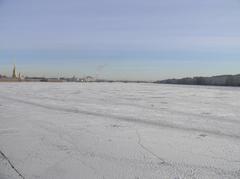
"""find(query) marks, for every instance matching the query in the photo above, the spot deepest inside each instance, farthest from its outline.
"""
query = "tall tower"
(14, 75)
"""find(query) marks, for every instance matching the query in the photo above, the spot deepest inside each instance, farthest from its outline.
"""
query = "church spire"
(14, 75)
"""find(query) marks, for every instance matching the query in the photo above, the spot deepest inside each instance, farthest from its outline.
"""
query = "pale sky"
(120, 39)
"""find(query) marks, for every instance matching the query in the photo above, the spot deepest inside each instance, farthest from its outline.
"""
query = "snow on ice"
(118, 130)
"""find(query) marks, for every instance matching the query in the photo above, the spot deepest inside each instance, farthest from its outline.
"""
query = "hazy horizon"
(126, 40)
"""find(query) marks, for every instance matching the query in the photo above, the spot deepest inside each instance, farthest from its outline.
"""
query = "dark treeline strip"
(223, 80)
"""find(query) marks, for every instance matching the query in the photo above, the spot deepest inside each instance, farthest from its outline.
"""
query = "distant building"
(73, 79)
(54, 80)
(42, 79)
(13, 78)
(35, 79)
(14, 75)
(89, 79)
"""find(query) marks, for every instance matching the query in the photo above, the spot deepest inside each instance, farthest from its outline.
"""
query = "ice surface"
(118, 130)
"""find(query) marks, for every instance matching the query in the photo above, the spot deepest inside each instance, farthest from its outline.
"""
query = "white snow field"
(118, 131)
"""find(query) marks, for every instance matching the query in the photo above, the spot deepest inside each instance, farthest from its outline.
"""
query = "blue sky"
(120, 39)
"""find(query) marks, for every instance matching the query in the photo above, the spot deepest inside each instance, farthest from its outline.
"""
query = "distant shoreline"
(221, 80)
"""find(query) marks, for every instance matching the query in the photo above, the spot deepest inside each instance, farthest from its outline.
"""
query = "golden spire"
(14, 72)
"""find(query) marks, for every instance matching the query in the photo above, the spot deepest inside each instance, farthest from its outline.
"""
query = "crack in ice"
(11, 164)
(163, 162)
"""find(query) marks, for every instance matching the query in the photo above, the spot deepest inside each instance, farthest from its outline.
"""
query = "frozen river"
(118, 130)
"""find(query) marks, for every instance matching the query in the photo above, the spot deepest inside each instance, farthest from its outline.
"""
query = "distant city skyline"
(126, 40)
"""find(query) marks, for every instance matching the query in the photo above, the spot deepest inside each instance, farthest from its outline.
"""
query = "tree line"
(223, 80)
